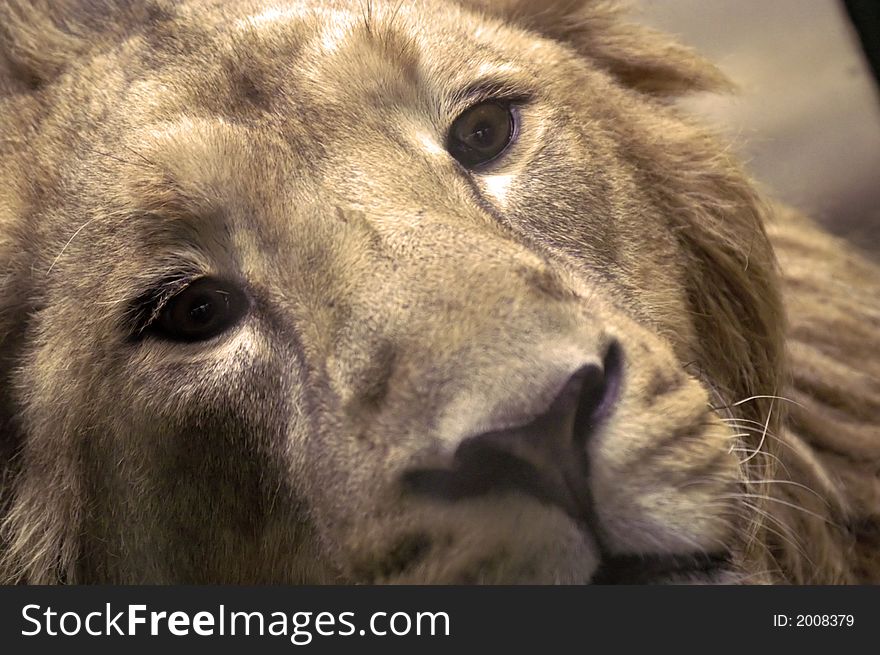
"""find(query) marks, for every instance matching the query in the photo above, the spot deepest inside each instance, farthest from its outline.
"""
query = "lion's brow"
(384, 32)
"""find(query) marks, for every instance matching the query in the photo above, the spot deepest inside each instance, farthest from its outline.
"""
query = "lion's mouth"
(659, 568)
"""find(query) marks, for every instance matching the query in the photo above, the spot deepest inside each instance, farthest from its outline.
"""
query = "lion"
(431, 291)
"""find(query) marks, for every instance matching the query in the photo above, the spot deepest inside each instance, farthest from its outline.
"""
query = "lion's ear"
(638, 57)
(39, 38)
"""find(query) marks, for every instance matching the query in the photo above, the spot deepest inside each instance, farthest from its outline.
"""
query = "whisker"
(763, 434)
(122, 160)
(765, 397)
(141, 156)
(790, 541)
(793, 484)
(824, 519)
(758, 424)
(787, 534)
(744, 578)
(764, 453)
(770, 434)
(69, 241)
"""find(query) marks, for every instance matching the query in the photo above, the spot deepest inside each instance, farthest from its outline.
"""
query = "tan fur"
(400, 304)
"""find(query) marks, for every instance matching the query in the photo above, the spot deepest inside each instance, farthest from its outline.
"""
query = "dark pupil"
(202, 311)
(487, 128)
(483, 136)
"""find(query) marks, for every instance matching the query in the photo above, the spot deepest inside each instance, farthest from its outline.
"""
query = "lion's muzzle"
(545, 458)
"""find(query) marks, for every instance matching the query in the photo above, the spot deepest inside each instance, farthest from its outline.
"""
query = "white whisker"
(763, 434)
(769, 456)
(793, 484)
(765, 397)
(824, 519)
(69, 241)
(786, 534)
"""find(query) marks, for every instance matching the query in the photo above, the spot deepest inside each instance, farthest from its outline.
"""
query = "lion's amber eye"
(481, 134)
(202, 310)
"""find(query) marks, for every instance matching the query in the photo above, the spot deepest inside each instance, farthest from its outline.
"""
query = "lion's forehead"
(271, 125)
(313, 63)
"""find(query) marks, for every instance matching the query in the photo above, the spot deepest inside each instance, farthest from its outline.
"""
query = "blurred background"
(807, 116)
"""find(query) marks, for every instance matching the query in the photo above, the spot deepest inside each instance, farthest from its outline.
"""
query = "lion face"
(427, 294)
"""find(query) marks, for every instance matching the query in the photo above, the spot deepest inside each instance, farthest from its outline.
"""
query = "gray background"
(807, 116)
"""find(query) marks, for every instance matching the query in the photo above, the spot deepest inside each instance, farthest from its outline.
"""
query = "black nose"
(545, 458)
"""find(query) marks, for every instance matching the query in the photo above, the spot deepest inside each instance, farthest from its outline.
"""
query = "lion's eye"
(204, 309)
(481, 134)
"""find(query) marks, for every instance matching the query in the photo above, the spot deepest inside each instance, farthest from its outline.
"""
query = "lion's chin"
(516, 540)
(511, 539)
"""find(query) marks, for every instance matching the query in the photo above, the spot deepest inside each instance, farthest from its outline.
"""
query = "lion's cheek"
(665, 478)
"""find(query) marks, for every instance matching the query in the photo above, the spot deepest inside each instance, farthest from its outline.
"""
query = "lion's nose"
(545, 458)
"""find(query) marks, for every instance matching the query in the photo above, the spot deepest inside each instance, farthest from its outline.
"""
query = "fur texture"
(399, 304)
